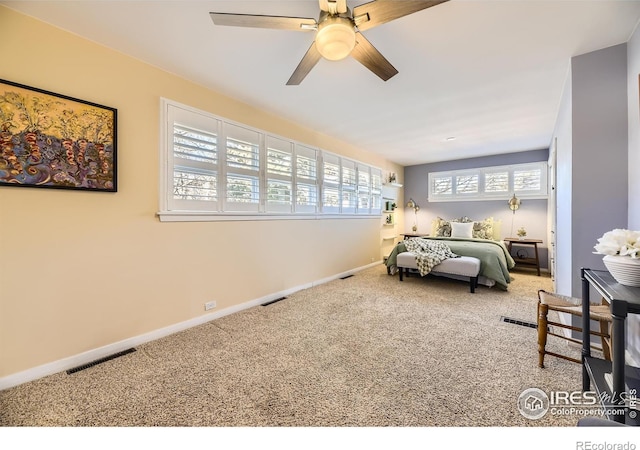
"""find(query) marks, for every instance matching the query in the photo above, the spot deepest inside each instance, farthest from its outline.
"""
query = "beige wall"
(83, 270)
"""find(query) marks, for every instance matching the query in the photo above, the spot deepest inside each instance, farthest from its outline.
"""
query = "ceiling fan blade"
(307, 63)
(372, 59)
(377, 12)
(257, 21)
(334, 6)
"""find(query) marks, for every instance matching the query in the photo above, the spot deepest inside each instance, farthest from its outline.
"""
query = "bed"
(480, 242)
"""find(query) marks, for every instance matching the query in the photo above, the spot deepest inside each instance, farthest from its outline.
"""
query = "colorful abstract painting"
(54, 141)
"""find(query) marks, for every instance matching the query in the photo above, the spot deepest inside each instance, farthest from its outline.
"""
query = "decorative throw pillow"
(462, 229)
(443, 228)
(484, 229)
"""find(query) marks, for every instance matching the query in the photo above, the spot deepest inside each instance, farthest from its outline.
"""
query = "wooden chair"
(548, 301)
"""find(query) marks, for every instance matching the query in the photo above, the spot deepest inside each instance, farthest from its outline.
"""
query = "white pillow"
(461, 230)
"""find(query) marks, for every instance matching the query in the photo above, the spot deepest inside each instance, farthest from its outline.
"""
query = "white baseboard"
(110, 349)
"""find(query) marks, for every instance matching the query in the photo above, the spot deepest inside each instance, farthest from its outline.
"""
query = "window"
(349, 187)
(441, 185)
(364, 189)
(279, 175)
(496, 182)
(376, 190)
(526, 180)
(242, 182)
(306, 179)
(214, 169)
(489, 183)
(193, 168)
(330, 183)
(467, 184)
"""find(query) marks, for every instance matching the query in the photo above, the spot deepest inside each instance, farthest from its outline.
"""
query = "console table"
(623, 300)
(535, 261)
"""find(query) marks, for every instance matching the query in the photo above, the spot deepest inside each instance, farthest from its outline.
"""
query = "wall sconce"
(412, 204)
(514, 204)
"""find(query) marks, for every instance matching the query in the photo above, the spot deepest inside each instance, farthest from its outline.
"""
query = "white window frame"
(482, 194)
(180, 209)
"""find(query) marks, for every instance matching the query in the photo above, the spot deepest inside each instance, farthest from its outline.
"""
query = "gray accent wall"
(532, 214)
(597, 149)
(591, 187)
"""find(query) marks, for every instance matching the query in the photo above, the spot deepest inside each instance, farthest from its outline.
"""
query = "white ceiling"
(489, 73)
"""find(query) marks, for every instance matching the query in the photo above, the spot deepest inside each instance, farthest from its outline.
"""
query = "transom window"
(215, 169)
(489, 183)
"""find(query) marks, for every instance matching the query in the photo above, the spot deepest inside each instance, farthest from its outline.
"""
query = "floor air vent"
(346, 276)
(100, 361)
(274, 301)
(523, 323)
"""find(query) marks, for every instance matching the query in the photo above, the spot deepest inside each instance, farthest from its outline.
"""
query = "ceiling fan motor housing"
(336, 36)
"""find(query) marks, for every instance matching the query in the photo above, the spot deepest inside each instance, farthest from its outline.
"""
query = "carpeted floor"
(366, 351)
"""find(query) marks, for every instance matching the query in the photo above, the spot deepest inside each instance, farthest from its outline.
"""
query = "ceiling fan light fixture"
(336, 38)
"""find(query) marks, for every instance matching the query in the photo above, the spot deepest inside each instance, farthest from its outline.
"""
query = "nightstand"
(413, 235)
(535, 261)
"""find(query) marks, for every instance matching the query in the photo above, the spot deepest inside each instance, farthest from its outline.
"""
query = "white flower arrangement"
(619, 242)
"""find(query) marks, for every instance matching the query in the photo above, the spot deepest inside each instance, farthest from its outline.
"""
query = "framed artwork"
(49, 140)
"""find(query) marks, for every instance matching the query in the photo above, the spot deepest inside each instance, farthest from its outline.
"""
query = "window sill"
(202, 216)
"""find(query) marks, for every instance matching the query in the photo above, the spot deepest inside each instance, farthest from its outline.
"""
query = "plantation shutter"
(193, 165)
(364, 189)
(306, 179)
(279, 175)
(376, 191)
(330, 183)
(496, 182)
(527, 180)
(349, 187)
(242, 186)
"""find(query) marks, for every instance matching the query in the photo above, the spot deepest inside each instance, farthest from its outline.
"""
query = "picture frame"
(50, 140)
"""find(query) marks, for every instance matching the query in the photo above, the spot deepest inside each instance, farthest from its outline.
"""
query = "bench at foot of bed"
(465, 266)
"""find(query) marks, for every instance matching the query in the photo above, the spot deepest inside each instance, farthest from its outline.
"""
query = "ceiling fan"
(338, 31)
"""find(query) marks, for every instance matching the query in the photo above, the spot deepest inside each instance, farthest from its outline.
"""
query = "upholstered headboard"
(488, 228)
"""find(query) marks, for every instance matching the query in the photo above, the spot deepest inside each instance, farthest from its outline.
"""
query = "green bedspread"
(495, 260)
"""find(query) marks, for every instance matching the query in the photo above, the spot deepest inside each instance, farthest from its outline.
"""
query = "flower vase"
(624, 269)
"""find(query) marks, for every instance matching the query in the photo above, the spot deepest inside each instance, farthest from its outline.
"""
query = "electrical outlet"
(209, 305)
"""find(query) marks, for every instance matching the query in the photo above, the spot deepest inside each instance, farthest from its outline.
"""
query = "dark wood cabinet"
(623, 300)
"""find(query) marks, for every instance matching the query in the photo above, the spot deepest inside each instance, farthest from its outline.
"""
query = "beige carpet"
(368, 350)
